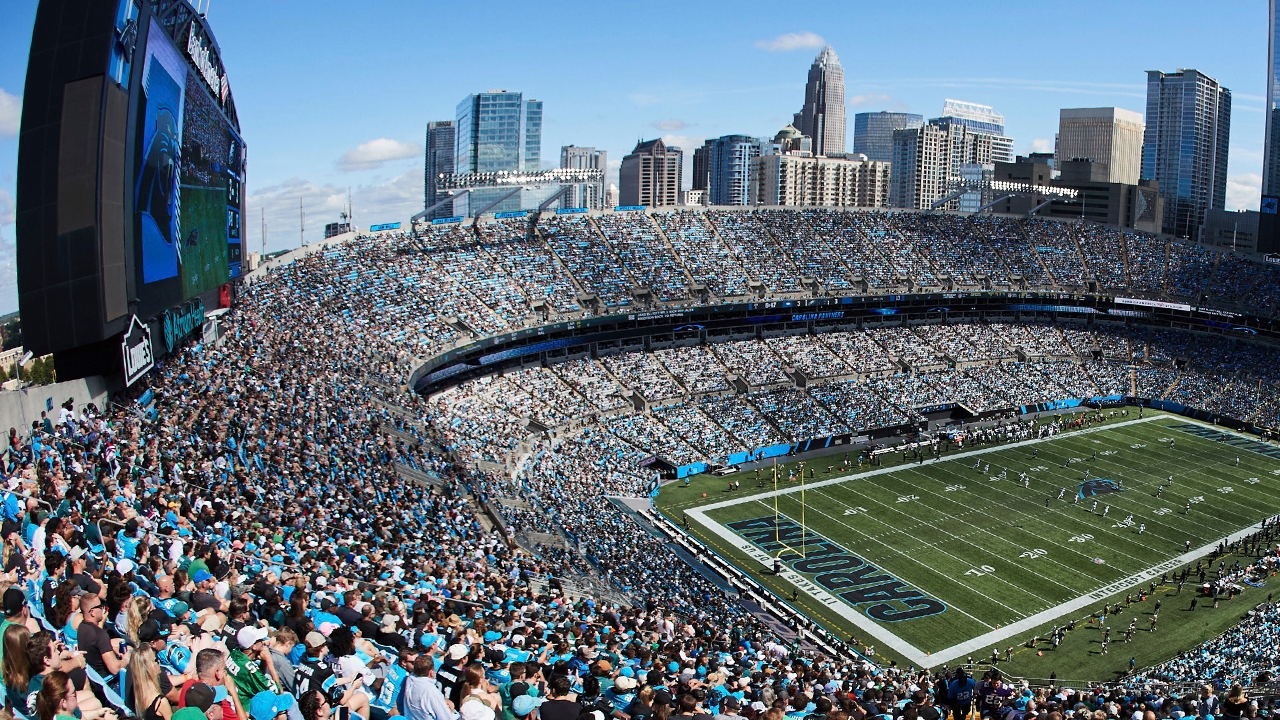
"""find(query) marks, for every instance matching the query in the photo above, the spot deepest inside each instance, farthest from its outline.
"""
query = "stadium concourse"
(275, 526)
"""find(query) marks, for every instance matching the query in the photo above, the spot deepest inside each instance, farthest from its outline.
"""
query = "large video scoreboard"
(131, 172)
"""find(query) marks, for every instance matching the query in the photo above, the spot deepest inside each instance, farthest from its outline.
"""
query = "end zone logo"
(1099, 486)
(838, 571)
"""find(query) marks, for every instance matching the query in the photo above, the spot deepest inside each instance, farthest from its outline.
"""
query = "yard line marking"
(926, 567)
(1074, 551)
(906, 649)
(882, 471)
(1045, 616)
(1077, 518)
(994, 554)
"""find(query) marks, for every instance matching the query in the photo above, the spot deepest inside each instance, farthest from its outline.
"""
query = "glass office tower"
(496, 131)
(1271, 156)
(1185, 146)
(873, 132)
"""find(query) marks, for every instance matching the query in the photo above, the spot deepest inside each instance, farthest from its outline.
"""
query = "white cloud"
(1244, 191)
(687, 143)
(374, 153)
(876, 99)
(669, 125)
(1040, 145)
(6, 208)
(384, 201)
(792, 41)
(10, 113)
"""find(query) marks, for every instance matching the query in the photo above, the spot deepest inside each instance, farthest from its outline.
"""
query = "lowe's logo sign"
(135, 351)
(181, 322)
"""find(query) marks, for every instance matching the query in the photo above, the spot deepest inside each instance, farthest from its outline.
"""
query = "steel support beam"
(1037, 208)
(433, 208)
(996, 201)
(952, 196)
(495, 203)
(563, 189)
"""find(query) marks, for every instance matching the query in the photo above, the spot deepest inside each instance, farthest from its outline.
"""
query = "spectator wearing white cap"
(450, 672)
(246, 661)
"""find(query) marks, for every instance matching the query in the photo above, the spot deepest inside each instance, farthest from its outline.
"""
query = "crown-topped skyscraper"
(822, 117)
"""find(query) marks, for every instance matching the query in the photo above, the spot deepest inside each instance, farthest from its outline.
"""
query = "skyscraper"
(439, 160)
(873, 132)
(929, 161)
(1184, 147)
(728, 161)
(585, 158)
(979, 119)
(921, 165)
(792, 176)
(496, 131)
(1271, 149)
(701, 168)
(1269, 207)
(822, 117)
(650, 175)
(1106, 135)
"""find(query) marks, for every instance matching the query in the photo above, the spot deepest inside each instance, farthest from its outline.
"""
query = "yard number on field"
(1251, 481)
(953, 488)
(1033, 554)
(907, 498)
(1162, 511)
(1085, 537)
(1226, 489)
(980, 571)
(855, 510)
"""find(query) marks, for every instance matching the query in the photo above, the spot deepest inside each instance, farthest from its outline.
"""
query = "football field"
(942, 560)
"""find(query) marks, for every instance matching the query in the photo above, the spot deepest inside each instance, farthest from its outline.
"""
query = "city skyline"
(319, 121)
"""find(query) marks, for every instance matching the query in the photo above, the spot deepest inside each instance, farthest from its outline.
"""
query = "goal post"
(778, 517)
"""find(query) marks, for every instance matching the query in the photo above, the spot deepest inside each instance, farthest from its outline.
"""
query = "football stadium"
(536, 454)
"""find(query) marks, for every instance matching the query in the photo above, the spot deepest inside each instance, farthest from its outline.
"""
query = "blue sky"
(334, 95)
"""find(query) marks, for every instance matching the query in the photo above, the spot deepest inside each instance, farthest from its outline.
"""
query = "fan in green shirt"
(245, 664)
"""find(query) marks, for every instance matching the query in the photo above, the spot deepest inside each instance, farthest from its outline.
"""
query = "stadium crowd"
(236, 538)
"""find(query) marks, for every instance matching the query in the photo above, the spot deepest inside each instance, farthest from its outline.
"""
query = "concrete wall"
(19, 408)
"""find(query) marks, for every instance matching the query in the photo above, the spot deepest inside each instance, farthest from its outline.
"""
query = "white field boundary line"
(897, 468)
(906, 649)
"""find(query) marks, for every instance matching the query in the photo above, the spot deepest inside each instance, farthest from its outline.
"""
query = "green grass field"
(930, 563)
(204, 265)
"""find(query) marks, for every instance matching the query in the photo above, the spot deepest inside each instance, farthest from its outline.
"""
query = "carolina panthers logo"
(1099, 486)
